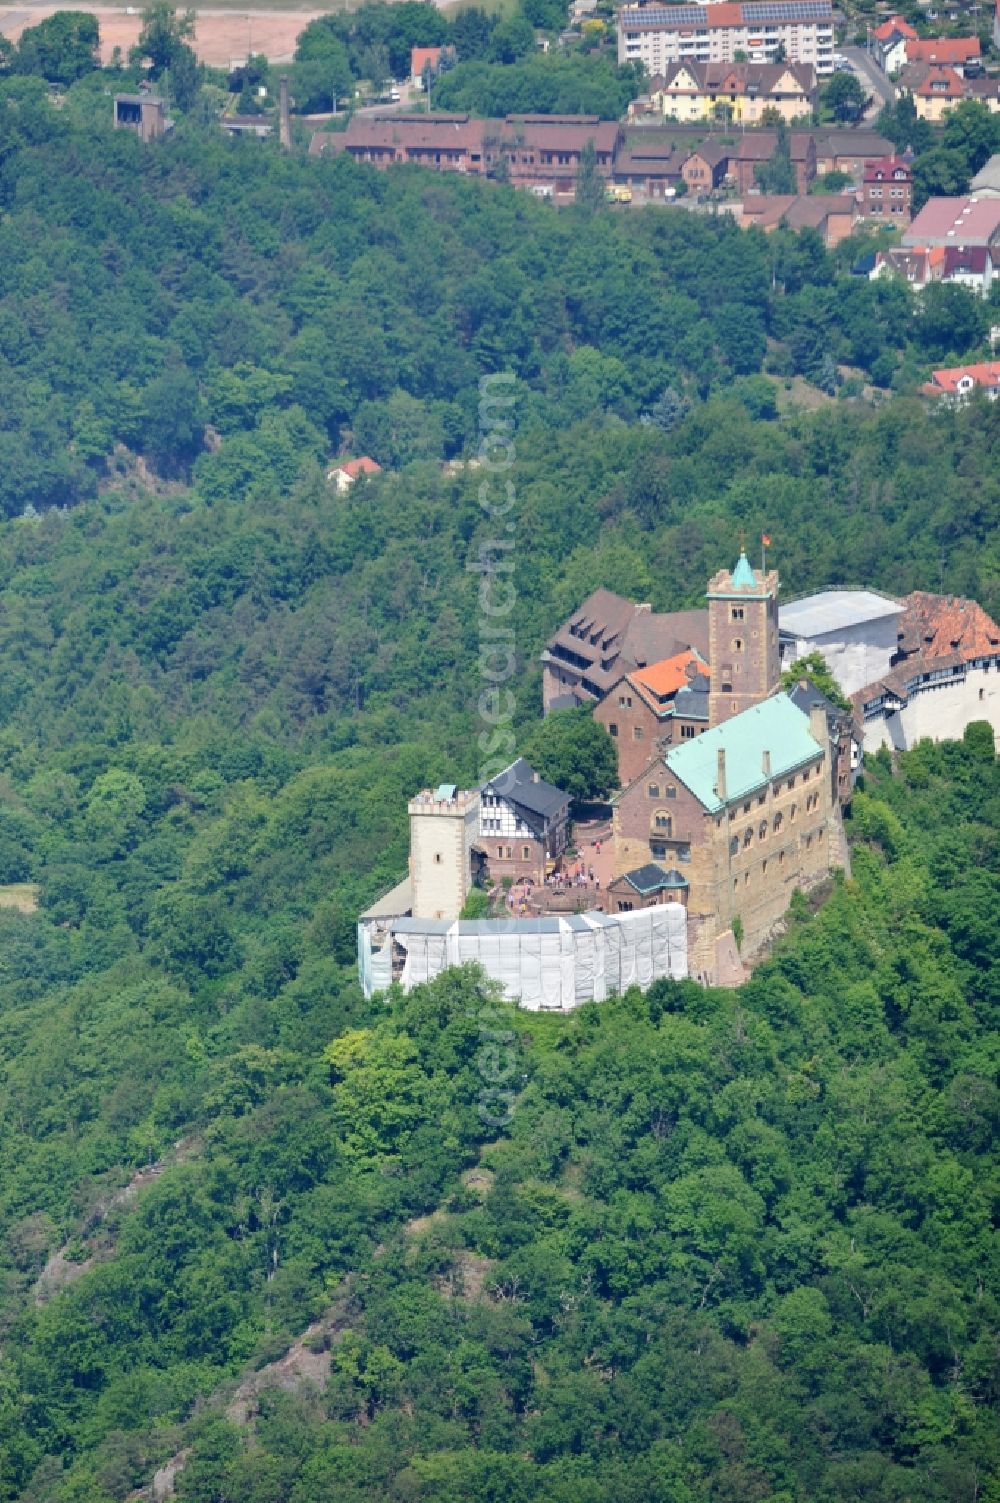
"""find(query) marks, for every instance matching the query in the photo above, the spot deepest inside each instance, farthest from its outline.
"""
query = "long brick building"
(542, 152)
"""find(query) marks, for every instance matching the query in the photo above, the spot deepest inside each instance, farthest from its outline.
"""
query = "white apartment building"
(657, 35)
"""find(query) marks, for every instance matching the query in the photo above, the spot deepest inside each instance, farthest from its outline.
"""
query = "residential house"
(848, 150)
(607, 636)
(705, 168)
(523, 823)
(832, 215)
(656, 34)
(955, 221)
(745, 813)
(958, 382)
(735, 92)
(345, 474)
(661, 704)
(887, 190)
(970, 266)
(918, 265)
(424, 61)
(754, 148)
(888, 43)
(935, 89)
(951, 52)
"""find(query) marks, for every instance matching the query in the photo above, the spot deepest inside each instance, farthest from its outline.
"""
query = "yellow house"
(935, 89)
(736, 92)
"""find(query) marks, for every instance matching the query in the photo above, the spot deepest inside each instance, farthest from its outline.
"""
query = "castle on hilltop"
(730, 789)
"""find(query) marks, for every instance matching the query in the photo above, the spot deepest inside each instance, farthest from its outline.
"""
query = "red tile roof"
(420, 57)
(940, 626)
(881, 171)
(942, 49)
(663, 679)
(940, 83)
(895, 26)
(362, 466)
(985, 374)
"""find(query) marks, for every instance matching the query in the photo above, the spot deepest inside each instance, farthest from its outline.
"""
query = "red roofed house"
(952, 52)
(422, 58)
(650, 707)
(958, 382)
(344, 475)
(831, 215)
(887, 190)
(889, 43)
(936, 88)
(758, 146)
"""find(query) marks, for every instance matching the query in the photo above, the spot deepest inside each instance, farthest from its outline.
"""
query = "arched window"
(737, 644)
(762, 831)
(777, 822)
(663, 822)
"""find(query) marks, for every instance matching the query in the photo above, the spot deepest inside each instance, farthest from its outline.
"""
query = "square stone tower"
(742, 639)
(444, 824)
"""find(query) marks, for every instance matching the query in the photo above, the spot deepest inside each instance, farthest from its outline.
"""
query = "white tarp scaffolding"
(553, 963)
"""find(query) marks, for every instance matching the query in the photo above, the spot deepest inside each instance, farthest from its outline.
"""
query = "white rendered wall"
(939, 712)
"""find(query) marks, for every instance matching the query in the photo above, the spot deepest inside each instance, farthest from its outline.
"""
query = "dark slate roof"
(692, 701)
(518, 784)
(565, 702)
(652, 878)
(806, 695)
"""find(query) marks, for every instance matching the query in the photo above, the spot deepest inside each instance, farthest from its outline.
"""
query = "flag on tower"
(765, 539)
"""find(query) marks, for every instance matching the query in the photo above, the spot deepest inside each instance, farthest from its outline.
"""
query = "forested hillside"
(728, 1246)
(285, 307)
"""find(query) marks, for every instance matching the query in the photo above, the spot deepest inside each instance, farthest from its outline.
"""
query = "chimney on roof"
(765, 762)
(284, 126)
(535, 778)
(720, 775)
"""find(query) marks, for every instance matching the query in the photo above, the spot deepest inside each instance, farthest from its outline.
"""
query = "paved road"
(871, 75)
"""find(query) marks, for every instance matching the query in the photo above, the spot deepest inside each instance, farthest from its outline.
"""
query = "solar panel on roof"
(787, 10)
(756, 13)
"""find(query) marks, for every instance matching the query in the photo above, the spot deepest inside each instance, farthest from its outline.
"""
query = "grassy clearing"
(20, 895)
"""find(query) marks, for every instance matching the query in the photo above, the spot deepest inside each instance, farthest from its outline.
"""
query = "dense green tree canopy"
(574, 751)
(692, 1246)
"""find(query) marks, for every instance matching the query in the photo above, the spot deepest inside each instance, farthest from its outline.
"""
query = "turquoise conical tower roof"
(743, 575)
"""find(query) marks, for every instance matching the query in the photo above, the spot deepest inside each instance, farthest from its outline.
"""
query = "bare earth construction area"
(221, 36)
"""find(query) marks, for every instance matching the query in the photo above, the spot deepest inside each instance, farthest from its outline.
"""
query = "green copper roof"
(743, 575)
(776, 726)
